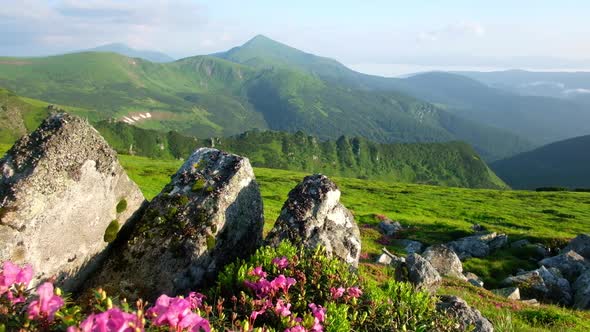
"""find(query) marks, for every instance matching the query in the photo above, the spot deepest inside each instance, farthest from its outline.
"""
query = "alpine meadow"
(190, 166)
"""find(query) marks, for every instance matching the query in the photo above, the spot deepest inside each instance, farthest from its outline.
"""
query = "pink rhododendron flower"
(296, 328)
(281, 262)
(255, 314)
(258, 272)
(112, 320)
(47, 304)
(319, 315)
(282, 308)
(354, 292)
(12, 274)
(175, 312)
(337, 292)
(282, 282)
(196, 300)
(262, 288)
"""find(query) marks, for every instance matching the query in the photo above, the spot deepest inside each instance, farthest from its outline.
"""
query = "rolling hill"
(153, 56)
(226, 94)
(561, 164)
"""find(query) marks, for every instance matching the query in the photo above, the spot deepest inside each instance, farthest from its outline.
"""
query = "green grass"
(436, 214)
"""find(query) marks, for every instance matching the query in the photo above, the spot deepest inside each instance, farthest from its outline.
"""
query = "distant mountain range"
(264, 84)
(568, 85)
(153, 56)
(561, 164)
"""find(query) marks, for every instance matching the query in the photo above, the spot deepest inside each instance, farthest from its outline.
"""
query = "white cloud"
(453, 31)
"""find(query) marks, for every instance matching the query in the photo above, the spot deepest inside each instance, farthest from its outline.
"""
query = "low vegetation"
(435, 215)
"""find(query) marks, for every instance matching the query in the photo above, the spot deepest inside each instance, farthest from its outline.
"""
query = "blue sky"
(367, 33)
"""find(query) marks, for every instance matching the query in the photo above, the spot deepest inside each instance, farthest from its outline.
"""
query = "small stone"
(511, 293)
(520, 243)
(410, 246)
(421, 273)
(389, 227)
(478, 245)
(466, 315)
(570, 264)
(444, 260)
(581, 245)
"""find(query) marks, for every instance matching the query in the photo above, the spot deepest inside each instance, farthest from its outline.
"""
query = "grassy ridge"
(437, 215)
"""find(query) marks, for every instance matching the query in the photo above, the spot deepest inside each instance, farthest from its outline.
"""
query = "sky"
(373, 35)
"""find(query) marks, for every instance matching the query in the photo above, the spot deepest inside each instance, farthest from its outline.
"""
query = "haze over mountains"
(264, 84)
(153, 56)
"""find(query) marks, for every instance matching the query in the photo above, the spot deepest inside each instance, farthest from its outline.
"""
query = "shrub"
(277, 289)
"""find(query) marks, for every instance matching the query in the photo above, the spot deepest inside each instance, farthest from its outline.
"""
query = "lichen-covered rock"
(421, 273)
(313, 215)
(444, 260)
(581, 290)
(581, 245)
(542, 283)
(59, 193)
(478, 245)
(468, 317)
(570, 264)
(207, 216)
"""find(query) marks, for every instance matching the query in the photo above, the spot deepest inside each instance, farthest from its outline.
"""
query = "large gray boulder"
(61, 189)
(208, 215)
(581, 290)
(581, 245)
(570, 264)
(542, 283)
(313, 215)
(478, 245)
(444, 260)
(469, 318)
(421, 273)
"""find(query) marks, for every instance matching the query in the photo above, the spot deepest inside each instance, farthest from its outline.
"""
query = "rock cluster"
(63, 198)
(479, 245)
(313, 215)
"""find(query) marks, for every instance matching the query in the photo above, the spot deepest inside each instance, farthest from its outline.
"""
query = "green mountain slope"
(522, 119)
(153, 56)
(451, 164)
(562, 164)
(261, 85)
